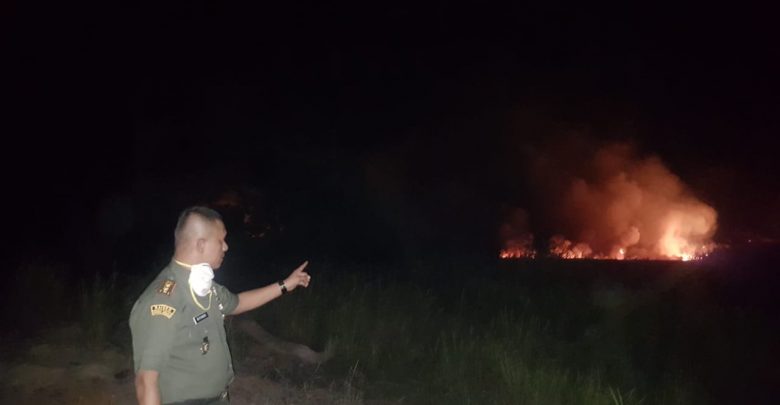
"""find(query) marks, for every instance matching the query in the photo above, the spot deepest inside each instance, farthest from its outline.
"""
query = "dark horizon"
(397, 130)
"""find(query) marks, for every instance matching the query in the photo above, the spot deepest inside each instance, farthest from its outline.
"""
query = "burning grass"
(610, 203)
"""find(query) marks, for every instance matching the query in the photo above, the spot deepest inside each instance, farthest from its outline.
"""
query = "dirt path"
(64, 370)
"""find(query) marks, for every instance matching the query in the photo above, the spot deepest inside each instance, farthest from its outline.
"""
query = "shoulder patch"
(167, 287)
(163, 310)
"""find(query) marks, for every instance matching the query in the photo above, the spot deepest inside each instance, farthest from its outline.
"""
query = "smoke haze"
(612, 203)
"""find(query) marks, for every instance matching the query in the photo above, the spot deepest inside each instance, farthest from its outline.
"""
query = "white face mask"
(200, 278)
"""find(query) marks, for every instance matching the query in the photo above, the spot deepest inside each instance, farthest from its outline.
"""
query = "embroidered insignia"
(166, 287)
(163, 310)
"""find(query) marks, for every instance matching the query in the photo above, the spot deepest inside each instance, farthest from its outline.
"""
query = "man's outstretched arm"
(146, 389)
(249, 300)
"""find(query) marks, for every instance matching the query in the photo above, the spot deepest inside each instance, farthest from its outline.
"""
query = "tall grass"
(47, 296)
(483, 346)
(35, 293)
(480, 338)
(99, 308)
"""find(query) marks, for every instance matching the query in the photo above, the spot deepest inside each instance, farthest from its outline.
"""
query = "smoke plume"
(611, 203)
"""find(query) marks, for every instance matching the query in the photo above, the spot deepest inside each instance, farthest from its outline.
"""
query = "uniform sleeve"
(228, 300)
(153, 326)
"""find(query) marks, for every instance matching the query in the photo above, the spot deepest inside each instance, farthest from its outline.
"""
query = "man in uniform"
(180, 350)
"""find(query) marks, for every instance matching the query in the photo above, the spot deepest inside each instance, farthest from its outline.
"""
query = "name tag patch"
(198, 319)
(163, 310)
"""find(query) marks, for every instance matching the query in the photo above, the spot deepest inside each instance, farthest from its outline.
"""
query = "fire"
(518, 242)
(565, 249)
(568, 250)
(626, 208)
(517, 252)
(684, 237)
(561, 248)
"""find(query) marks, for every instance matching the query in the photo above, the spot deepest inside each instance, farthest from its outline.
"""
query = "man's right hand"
(146, 389)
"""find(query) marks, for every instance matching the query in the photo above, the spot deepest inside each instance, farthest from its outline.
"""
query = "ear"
(200, 245)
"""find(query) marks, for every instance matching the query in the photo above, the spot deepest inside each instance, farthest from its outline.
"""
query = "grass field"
(588, 332)
(537, 332)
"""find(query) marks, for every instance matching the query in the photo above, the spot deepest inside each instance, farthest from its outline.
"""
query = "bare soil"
(62, 369)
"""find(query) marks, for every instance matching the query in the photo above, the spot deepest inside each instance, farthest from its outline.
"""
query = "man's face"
(214, 246)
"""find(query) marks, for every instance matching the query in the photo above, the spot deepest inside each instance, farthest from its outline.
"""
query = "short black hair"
(203, 212)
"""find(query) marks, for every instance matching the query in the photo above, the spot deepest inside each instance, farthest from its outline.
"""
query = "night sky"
(370, 131)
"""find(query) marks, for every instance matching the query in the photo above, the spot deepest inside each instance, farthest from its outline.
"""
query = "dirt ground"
(64, 370)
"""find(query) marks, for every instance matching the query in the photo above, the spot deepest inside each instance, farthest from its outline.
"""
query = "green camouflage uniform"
(183, 342)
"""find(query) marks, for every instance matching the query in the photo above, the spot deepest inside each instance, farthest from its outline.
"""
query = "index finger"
(302, 266)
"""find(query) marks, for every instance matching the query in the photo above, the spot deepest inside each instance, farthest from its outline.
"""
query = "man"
(180, 349)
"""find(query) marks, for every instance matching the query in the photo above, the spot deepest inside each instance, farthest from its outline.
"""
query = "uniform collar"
(179, 271)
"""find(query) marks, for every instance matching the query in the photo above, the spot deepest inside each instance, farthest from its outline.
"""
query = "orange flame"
(517, 252)
(624, 209)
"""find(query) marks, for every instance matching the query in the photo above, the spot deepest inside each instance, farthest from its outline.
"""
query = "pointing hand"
(298, 277)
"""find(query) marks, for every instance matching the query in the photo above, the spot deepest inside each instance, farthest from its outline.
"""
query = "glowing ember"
(626, 209)
(517, 253)
(562, 248)
(518, 242)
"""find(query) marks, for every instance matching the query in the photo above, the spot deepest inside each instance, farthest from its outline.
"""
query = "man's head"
(200, 237)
